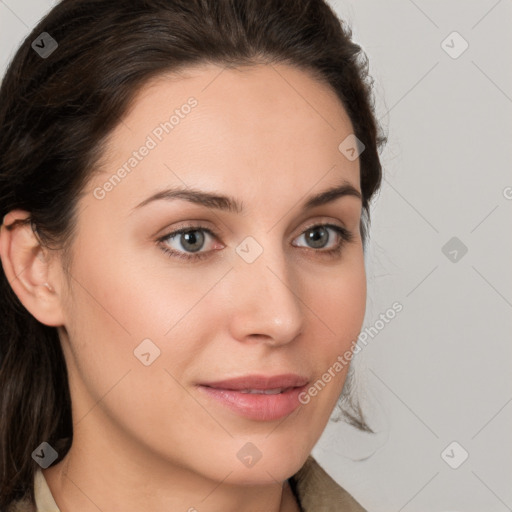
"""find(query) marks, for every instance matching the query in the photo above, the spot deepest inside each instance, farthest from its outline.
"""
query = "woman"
(185, 189)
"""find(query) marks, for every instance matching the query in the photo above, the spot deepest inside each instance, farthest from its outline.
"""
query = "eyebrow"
(230, 204)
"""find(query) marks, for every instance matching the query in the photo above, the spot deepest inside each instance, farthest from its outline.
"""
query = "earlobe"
(26, 267)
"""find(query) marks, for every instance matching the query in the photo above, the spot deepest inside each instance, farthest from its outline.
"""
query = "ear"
(26, 266)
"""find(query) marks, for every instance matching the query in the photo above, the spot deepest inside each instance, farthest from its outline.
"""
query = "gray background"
(439, 372)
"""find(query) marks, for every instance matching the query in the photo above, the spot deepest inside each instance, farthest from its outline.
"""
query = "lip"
(258, 407)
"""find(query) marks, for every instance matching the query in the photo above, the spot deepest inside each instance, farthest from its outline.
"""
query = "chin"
(275, 463)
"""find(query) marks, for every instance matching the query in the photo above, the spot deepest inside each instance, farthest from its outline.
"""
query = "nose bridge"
(266, 296)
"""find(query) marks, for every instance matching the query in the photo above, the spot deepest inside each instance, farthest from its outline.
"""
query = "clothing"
(315, 490)
(318, 492)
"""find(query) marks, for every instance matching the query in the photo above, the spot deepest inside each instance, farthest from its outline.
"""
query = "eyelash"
(345, 237)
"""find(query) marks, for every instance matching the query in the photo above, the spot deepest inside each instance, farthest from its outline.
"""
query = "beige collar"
(318, 492)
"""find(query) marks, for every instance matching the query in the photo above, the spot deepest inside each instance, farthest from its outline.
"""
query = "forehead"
(246, 129)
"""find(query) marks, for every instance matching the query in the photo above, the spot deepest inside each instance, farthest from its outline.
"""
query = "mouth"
(275, 391)
(257, 397)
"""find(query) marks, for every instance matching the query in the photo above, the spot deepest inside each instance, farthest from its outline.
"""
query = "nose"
(267, 306)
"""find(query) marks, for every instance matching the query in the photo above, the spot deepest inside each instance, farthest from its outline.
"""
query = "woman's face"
(251, 294)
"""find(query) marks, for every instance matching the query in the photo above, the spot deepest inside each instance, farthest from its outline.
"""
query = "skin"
(145, 438)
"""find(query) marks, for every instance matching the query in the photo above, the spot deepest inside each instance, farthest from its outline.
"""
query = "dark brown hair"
(55, 116)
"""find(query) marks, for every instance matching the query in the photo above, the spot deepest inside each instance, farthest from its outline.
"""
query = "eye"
(188, 241)
(318, 236)
(189, 238)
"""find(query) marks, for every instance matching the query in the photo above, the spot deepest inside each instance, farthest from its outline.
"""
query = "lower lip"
(257, 406)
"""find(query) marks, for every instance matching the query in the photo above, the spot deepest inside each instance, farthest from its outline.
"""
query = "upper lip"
(289, 380)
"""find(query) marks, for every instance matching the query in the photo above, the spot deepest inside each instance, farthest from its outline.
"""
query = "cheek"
(114, 311)
(120, 301)
(341, 301)
(340, 305)
(122, 317)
